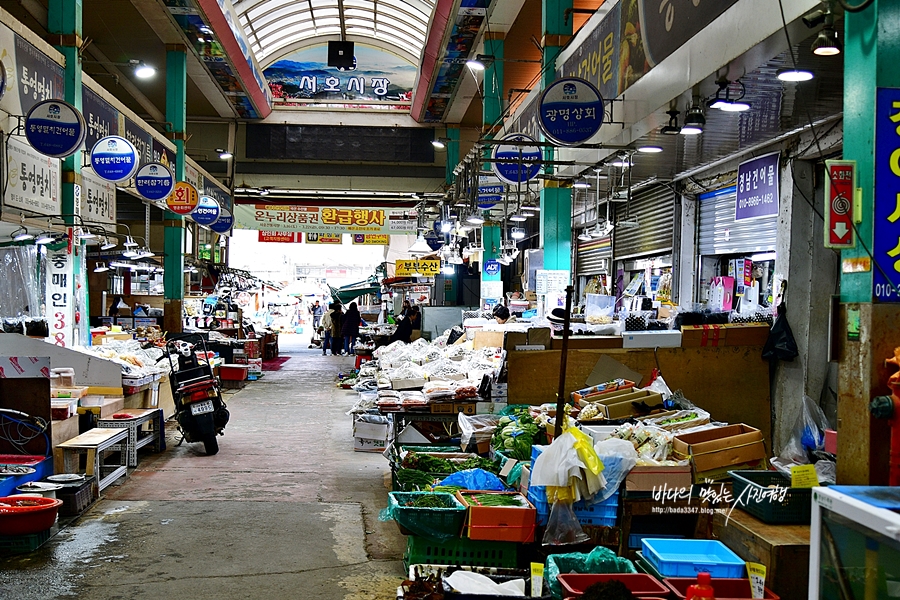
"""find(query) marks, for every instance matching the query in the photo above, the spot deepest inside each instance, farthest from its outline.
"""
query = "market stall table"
(94, 443)
(138, 437)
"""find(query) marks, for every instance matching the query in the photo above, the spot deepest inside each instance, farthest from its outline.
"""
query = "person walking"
(350, 328)
(337, 321)
(318, 311)
(325, 326)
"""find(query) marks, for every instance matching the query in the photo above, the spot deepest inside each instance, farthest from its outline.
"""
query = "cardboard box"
(525, 480)
(651, 339)
(371, 431)
(498, 523)
(540, 336)
(484, 408)
(367, 445)
(513, 339)
(488, 339)
(594, 342)
(618, 405)
(407, 384)
(63, 431)
(714, 452)
(644, 479)
(694, 336)
(105, 406)
(747, 334)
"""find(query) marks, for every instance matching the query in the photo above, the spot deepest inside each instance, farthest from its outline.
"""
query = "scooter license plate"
(202, 408)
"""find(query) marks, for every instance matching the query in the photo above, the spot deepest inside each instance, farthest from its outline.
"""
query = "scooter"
(199, 409)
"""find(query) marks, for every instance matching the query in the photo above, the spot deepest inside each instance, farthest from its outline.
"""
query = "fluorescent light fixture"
(517, 233)
(108, 244)
(446, 226)
(475, 219)
(762, 257)
(129, 242)
(142, 70)
(794, 74)
(581, 184)
(650, 149)
(517, 217)
(438, 143)
(44, 238)
(420, 246)
(101, 267)
(22, 236)
(448, 270)
(224, 154)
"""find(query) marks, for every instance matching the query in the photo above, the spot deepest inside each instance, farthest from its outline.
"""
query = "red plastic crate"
(723, 589)
(640, 585)
(233, 372)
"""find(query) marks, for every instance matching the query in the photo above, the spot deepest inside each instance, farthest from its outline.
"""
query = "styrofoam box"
(367, 445)
(599, 432)
(371, 431)
(651, 339)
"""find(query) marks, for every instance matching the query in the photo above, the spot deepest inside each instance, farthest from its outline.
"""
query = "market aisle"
(285, 510)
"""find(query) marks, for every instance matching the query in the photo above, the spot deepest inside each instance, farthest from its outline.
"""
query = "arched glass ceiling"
(277, 26)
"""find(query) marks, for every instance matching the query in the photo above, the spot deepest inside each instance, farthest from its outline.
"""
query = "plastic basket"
(686, 558)
(75, 499)
(460, 552)
(427, 522)
(634, 539)
(724, 589)
(639, 584)
(21, 544)
(601, 514)
(752, 491)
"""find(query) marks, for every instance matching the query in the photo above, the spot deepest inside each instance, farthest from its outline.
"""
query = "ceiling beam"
(126, 83)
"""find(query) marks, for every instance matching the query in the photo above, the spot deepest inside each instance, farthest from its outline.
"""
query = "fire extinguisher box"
(233, 372)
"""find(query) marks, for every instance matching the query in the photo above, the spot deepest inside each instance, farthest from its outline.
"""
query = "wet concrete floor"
(286, 509)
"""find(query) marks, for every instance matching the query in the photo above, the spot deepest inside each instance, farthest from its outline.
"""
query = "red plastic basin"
(641, 585)
(723, 589)
(27, 514)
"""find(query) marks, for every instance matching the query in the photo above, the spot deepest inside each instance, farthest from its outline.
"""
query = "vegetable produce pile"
(515, 435)
(434, 464)
(494, 499)
(431, 501)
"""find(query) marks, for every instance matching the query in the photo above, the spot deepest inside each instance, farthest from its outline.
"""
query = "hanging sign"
(114, 159)
(324, 238)
(570, 111)
(277, 236)
(490, 191)
(326, 219)
(224, 223)
(207, 211)
(183, 199)
(886, 224)
(757, 188)
(101, 117)
(32, 179)
(840, 186)
(371, 239)
(525, 160)
(154, 181)
(417, 268)
(491, 267)
(98, 198)
(60, 287)
(55, 128)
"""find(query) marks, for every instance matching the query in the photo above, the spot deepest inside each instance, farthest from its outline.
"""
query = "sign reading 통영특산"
(325, 219)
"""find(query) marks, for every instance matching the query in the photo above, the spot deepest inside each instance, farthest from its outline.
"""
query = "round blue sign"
(154, 181)
(224, 223)
(491, 267)
(570, 111)
(207, 211)
(524, 160)
(55, 128)
(114, 158)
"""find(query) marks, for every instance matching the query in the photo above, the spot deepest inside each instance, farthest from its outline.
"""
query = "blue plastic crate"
(603, 514)
(686, 558)
(634, 539)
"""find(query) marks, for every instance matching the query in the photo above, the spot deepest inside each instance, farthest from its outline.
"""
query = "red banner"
(278, 236)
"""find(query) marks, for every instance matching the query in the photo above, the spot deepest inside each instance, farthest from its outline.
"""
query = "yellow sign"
(804, 476)
(183, 199)
(757, 573)
(418, 268)
(324, 238)
(371, 239)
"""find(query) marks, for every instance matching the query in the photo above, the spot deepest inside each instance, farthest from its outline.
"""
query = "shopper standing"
(337, 318)
(350, 328)
(318, 311)
(325, 326)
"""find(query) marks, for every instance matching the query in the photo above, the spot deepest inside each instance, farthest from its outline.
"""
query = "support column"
(556, 201)
(65, 26)
(452, 153)
(492, 108)
(872, 51)
(176, 117)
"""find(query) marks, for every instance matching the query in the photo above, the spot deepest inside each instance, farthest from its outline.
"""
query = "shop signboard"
(371, 239)
(102, 119)
(280, 237)
(32, 179)
(597, 58)
(59, 286)
(38, 77)
(55, 128)
(224, 223)
(757, 188)
(325, 219)
(154, 181)
(98, 198)
(490, 191)
(324, 238)
(570, 111)
(840, 187)
(161, 154)
(183, 199)
(220, 195)
(207, 211)
(666, 25)
(141, 139)
(417, 268)
(886, 246)
(525, 160)
(114, 159)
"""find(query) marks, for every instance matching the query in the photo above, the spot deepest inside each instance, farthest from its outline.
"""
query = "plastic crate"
(21, 544)
(601, 514)
(686, 558)
(75, 499)
(420, 550)
(634, 539)
(724, 589)
(639, 584)
(751, 489)
(444, 522)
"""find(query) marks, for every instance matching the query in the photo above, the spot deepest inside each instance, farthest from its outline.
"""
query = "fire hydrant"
(888, 407)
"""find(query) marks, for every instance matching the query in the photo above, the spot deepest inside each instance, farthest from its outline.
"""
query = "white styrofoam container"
(651, 339)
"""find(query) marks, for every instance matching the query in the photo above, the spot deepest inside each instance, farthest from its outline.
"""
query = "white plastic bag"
(476, 584)
(619, 457)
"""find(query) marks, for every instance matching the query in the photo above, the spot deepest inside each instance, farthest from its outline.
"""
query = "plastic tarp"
(22, 292)
(598, 560)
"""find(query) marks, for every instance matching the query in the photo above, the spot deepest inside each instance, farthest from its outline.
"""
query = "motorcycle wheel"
(211, 444)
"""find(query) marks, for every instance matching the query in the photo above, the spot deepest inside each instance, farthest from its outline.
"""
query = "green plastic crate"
(21, 544)
(461, 551)
(750, 486)
(435, 523)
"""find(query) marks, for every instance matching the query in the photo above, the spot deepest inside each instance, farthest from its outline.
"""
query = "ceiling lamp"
(420, 246)
(475, 219)
(527, 211)
(827, 42)
(727, 104)
(129, 242)
(581, 184)
(650, 149)
(517, 233)
(448, 270)
(794, 75)
(44, 238)
(224, 154)
(476, 64)
(672, 128)
(130, 253)
(446, 226)
(622, 162)
(21, 236)
(142, 70)
(602, 232)
(585, 236)
(101, 267)
(438, 143)
(517, 217)
(109, 244)
(693, 121)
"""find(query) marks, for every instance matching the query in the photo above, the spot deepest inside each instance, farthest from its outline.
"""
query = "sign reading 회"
(570, 111)
(886, 246)
(183, 199)
(757, 188)
(840, 186)
(325, 219)
(417, 268)
(521, 163)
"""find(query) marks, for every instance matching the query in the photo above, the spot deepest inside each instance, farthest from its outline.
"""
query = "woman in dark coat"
(337, 321)
(350, 328)
(404, 331)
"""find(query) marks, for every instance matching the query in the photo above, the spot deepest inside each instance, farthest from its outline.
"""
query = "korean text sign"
(60, 286)
(757, 188)
(325, 219)
(886, 245)
(418, 268)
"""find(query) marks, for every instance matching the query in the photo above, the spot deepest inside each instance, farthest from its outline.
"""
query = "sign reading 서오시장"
(325, 219)
(757, 188)
(417, 268)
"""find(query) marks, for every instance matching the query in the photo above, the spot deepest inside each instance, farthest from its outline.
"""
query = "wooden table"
(138, 437)
(695, 510)
(93, 442)
(783, 549)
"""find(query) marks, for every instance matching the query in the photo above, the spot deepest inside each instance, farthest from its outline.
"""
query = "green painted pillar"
(556, 202)
(491, 284)
(65, 26)
(176, 117)
(492, 106)
(452, 152)
(867, 329)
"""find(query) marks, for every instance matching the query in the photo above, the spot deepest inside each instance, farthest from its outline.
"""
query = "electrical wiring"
(18, 432)
(818, 145)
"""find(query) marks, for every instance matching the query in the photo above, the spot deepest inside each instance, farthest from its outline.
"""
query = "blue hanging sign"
(154, 181)
(525, 160)
(570, 111)
(207, 211)
(224, 223)
(491, 267)
(114, 159)
(55, 128)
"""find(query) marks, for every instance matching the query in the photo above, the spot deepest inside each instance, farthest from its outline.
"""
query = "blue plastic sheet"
(475, 479)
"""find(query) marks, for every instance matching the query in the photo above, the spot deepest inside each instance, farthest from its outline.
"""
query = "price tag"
(804, 476)
(757, 574)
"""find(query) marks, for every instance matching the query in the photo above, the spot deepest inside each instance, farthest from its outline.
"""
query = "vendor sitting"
(502, 315)
(404, 330)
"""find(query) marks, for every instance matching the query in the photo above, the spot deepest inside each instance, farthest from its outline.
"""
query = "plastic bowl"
(27, 514)
(47, 490)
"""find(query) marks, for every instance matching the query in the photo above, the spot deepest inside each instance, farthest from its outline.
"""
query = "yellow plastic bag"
(584, 445)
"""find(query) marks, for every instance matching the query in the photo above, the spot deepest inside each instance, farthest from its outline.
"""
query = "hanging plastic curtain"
(22, 292)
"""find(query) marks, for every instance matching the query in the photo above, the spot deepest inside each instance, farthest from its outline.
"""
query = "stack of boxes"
(253, 352)
(499, 396)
